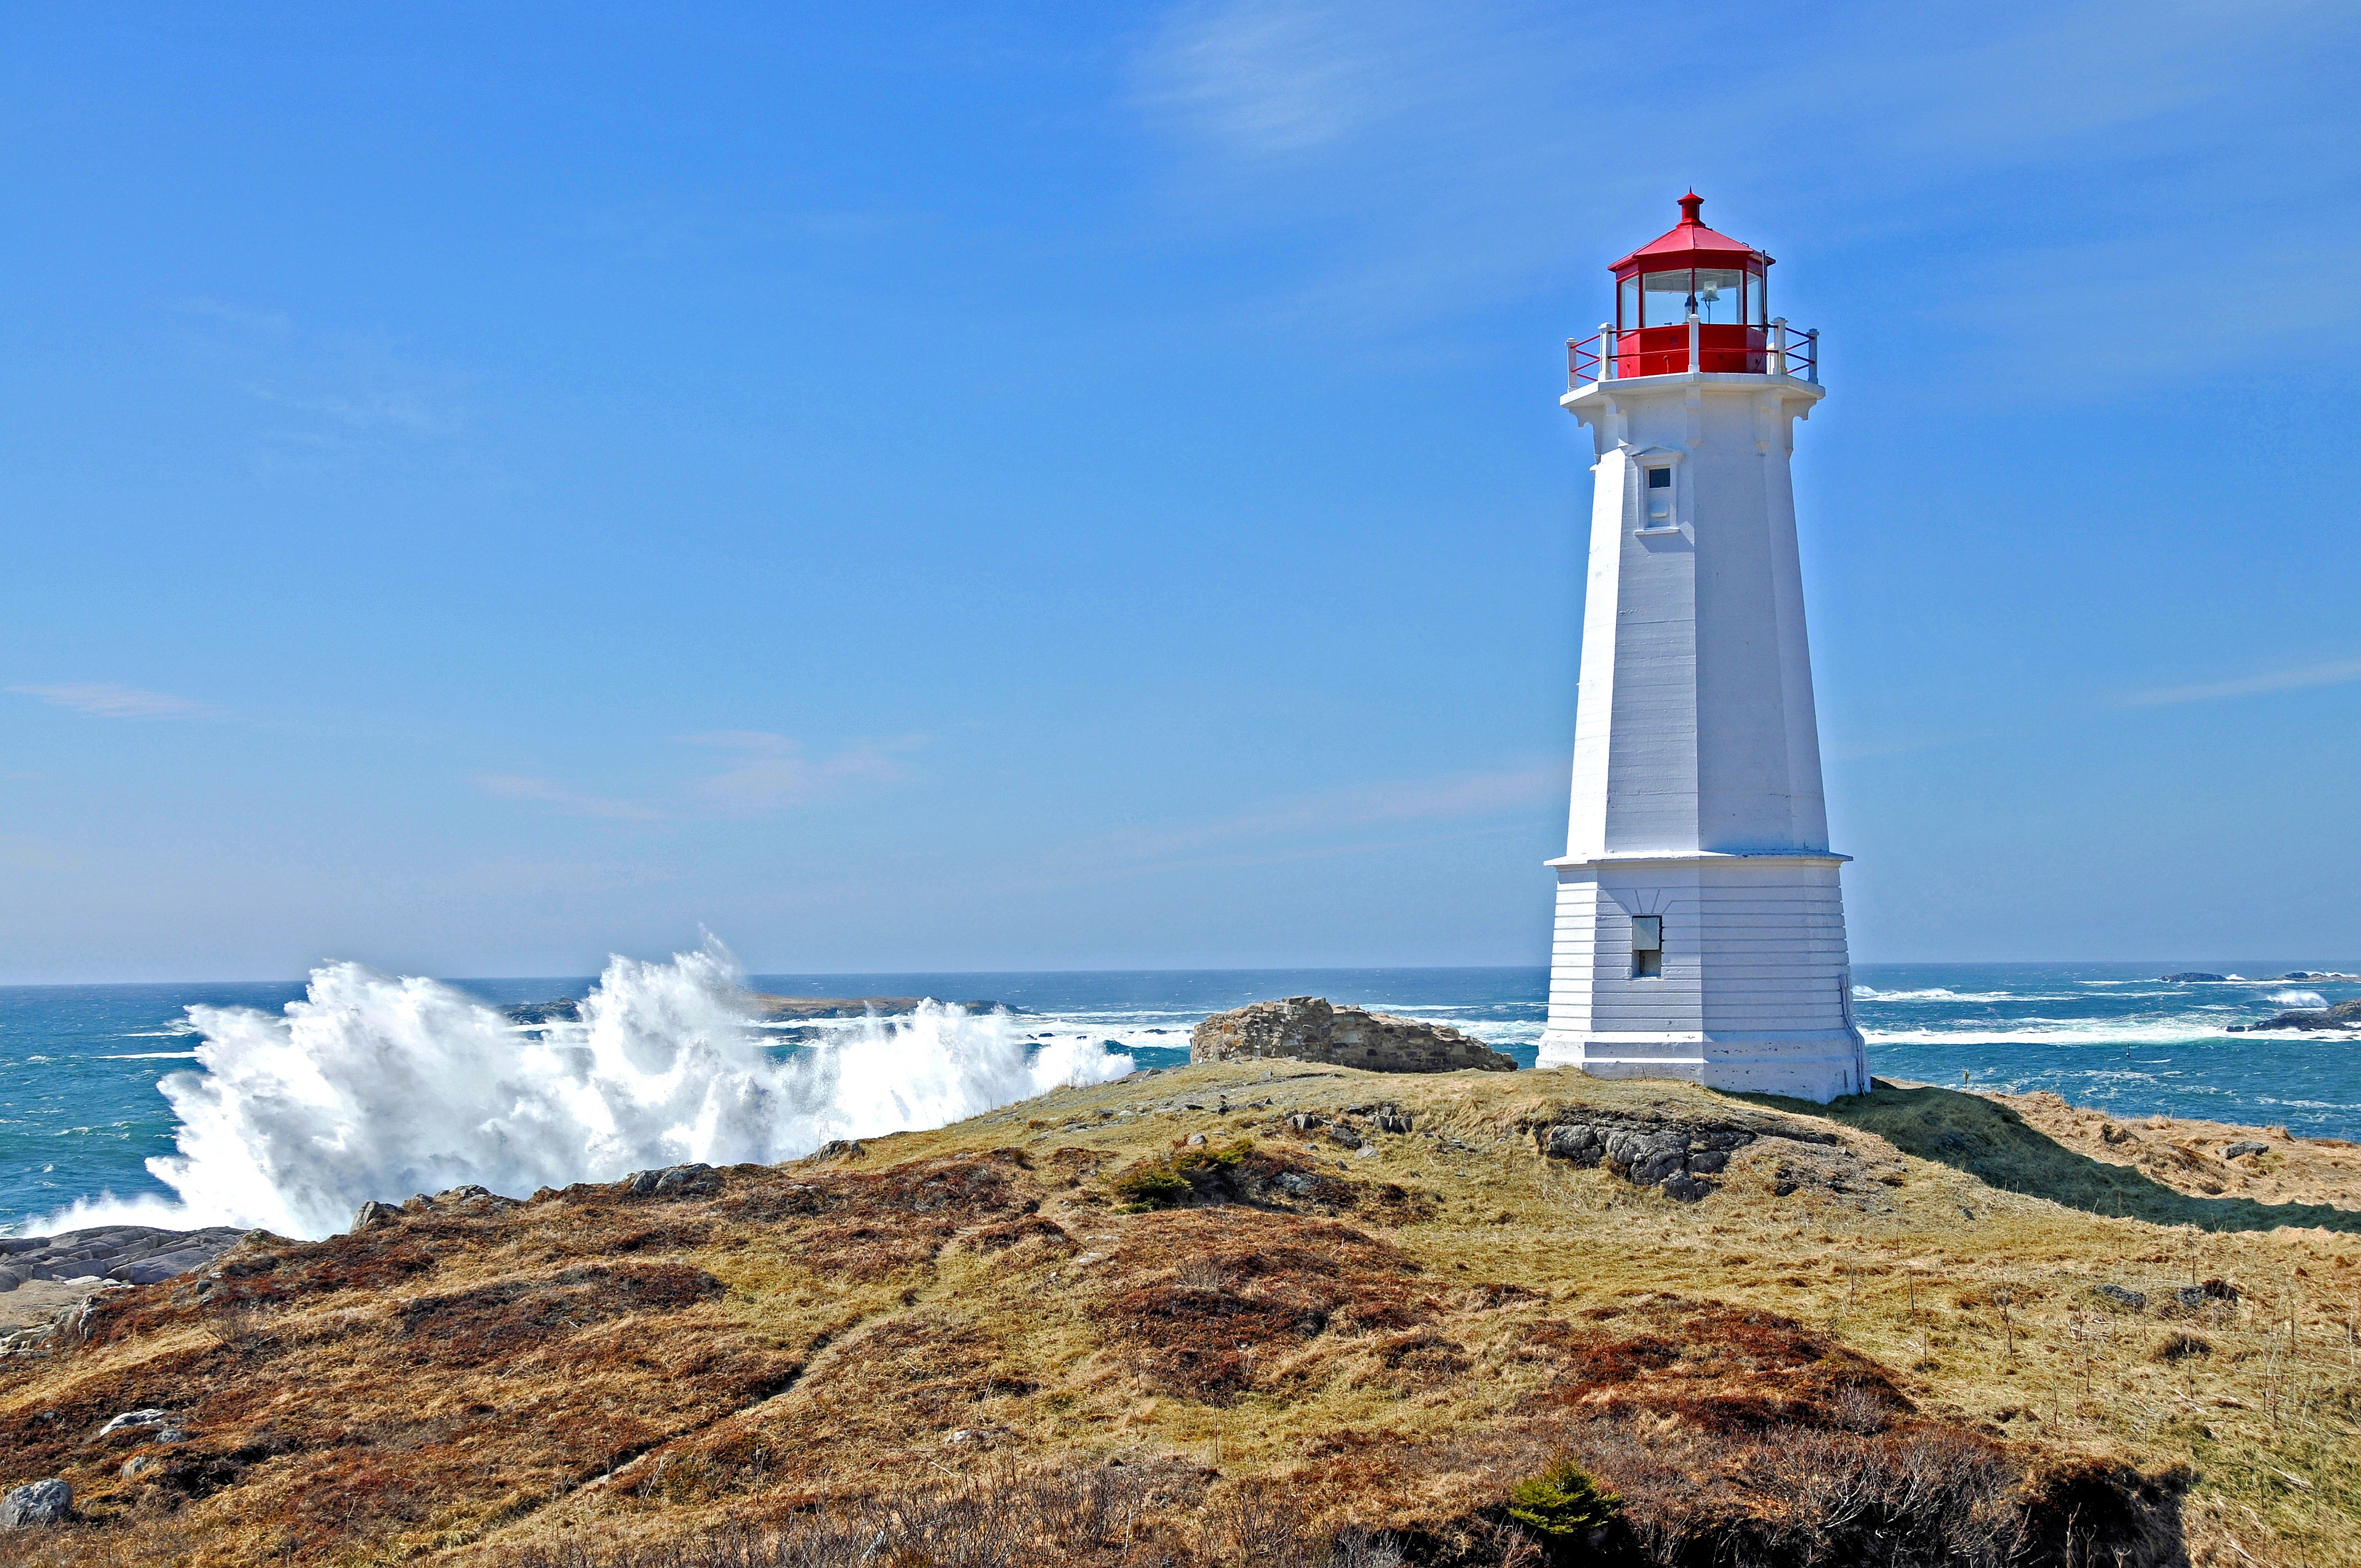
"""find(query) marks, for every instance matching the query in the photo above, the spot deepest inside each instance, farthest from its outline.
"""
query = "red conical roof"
(1690, 244)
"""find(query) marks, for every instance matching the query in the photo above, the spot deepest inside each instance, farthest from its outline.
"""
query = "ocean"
(379, 1086)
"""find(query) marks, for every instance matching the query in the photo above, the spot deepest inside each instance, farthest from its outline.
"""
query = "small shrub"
(1564, 1507)
(1172, 1180)
(2180, 1347)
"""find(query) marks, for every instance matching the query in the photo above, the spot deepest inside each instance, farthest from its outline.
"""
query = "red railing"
(1775, 350)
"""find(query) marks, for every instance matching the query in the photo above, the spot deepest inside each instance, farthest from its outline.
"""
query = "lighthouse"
(1700, 927)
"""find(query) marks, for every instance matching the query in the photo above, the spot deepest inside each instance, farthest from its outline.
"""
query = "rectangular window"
(1647, 946)
(1664, 297)
(1627, 305)
(1718, 294)
(1660, 479)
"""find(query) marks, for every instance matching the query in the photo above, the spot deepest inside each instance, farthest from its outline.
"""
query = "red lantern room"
(1693, 299)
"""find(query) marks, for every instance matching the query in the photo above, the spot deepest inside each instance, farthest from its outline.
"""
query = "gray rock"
(127, 1255)
(2343, 1016)
(1306, 1028)
(2247, 1146)
(672, 1181)
(2121, 1296)
(372, 1213)
(1675, 1151)
(37, 1502)
(129, 1418)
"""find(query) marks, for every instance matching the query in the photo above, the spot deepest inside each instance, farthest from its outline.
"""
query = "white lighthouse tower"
(1700, 931)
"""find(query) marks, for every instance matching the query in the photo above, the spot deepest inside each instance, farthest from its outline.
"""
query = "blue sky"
(1065, 486)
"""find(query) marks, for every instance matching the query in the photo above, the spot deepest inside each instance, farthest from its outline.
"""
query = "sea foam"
(380, 1086)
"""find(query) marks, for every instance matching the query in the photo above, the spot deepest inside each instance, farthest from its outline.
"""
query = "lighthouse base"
(1749, 990)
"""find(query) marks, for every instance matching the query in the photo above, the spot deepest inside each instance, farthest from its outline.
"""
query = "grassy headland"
(1928, 1327)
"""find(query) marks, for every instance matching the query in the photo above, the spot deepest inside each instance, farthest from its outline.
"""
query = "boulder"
(37, 1502)
(1306, 1028)
(372, 1213)
(2245, 1146)
(672, 1181)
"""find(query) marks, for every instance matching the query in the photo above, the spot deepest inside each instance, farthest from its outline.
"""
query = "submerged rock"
(1307, 1028)
(2190, 975)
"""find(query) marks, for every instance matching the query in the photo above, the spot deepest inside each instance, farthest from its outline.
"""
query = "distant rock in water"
(2190, 975)
(855, 1006)
(566, 1010)
(1308, 1029)
(2343, 1016)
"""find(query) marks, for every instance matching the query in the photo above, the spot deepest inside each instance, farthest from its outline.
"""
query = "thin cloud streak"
(564, 801)
(772, 773)
(2343, 672)
(105, 701)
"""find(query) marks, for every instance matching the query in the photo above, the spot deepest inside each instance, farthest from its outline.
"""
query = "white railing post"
(1813, 337)
(1778, 345)
(1695, 365)
(1606, 351)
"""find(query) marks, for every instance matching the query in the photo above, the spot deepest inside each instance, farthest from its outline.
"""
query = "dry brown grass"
(1377, 1344)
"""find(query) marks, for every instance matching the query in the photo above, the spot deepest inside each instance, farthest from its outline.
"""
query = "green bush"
(1161, 1183)
(1561, 1506)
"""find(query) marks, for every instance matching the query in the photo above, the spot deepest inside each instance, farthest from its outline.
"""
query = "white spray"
(379, 1087)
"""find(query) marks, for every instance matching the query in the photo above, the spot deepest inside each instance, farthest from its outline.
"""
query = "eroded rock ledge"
(1678, 1153)
(1306, 1028)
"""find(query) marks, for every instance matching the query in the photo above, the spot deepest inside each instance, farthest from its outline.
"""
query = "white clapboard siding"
(1697, 788)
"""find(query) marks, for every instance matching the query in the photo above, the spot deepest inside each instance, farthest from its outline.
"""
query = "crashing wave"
(379, 1086)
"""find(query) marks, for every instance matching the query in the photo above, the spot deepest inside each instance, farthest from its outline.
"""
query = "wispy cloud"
(771, 772)
(328, 393)
(1454, 149)
(566, 801)
(107, 701)
(2343, 672)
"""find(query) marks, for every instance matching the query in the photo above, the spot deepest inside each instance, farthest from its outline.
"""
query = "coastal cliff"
(1267, 1311)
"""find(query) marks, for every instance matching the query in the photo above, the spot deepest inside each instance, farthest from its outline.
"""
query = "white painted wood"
(1697, 762)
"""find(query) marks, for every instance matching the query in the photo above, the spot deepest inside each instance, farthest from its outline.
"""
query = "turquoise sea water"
(80, 1111)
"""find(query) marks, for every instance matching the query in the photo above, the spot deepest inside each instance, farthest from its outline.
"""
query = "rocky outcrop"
(128, 1254)
(1680, 1154)
(2343, 1016)
(1306, 1028)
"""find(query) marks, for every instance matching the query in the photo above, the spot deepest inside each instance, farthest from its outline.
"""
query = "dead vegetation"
(1335, 1341)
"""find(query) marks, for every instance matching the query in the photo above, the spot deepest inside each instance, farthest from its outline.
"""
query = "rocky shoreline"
(2343, 1016)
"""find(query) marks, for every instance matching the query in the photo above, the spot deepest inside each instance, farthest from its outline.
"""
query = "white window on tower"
(1647, 946)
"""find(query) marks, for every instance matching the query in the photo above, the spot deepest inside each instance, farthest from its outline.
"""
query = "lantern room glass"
(1665, 298)
(1726, 296)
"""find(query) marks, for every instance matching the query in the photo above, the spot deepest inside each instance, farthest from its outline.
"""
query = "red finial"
(1689, 205)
